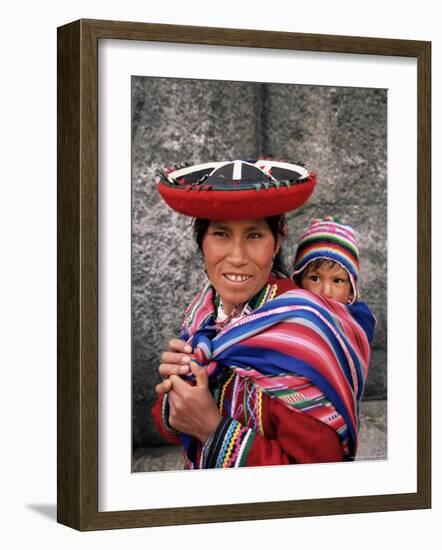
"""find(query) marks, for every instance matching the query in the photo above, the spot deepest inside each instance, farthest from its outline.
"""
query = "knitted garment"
(299, 348)
(331, 240)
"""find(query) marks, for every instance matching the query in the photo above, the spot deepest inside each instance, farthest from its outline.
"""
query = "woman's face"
(238, 256)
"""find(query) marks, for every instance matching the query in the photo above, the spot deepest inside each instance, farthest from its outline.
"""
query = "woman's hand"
(174, 361)
(192, 409)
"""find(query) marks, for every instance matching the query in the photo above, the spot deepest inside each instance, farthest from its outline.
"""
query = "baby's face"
(328, 281)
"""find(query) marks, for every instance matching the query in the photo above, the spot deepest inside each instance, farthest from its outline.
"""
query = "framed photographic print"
(137, 99)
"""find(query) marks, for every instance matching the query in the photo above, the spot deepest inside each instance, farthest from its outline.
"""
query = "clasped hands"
(192, 409)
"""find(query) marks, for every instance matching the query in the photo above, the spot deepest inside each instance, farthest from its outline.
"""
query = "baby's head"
(327, 260)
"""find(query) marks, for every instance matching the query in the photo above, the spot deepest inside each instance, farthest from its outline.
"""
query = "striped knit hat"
(329, 239)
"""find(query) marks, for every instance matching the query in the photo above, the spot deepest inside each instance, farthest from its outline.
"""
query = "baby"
(327, 260)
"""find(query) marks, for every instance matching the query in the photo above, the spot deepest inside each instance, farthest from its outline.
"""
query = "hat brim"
(237, 204)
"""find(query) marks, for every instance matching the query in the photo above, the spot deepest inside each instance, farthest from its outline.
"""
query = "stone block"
(340, 133)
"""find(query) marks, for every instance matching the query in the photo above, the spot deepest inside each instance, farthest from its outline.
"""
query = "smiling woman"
(238, 256)
(264, 373)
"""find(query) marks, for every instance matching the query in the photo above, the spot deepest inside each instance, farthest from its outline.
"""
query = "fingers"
(173, 382)
(174, 363)
(167, 369)
(175, 358)
(163, 387)
(178, 345)
(180, 386)
(201, 376)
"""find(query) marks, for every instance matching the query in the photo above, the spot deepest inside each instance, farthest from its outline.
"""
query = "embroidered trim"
(228, 447)
(260, 426)
(165, 411)
(269, 294)
(223, 392)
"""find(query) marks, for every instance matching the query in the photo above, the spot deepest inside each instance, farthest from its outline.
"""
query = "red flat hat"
(235, 190)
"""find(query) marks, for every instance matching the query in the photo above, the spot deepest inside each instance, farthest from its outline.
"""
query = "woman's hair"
(277, 227)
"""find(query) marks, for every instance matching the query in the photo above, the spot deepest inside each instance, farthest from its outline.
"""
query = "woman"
(259, 394)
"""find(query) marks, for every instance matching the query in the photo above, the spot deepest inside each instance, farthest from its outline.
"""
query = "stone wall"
(341, 133)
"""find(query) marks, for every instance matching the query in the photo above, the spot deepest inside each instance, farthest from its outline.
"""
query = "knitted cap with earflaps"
(329, 239)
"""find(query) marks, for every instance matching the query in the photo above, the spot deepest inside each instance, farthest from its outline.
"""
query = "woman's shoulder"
(282, 284)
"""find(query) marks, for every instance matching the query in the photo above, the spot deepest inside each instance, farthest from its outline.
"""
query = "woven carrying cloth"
(295, 337)
(220, 190)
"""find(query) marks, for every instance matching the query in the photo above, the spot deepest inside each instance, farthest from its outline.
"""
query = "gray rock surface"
(338, 132)
(165, 458)
(373, 433)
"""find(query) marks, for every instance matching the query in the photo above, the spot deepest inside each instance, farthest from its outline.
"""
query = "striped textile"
(303, 349)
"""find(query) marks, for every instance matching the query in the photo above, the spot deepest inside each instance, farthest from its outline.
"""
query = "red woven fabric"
(237, 205)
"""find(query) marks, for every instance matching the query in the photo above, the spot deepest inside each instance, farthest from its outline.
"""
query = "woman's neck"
(229, 308)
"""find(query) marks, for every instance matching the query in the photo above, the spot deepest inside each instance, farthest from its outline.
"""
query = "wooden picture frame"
(77, 225)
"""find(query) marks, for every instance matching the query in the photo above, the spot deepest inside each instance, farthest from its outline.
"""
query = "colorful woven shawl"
(303, 349)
